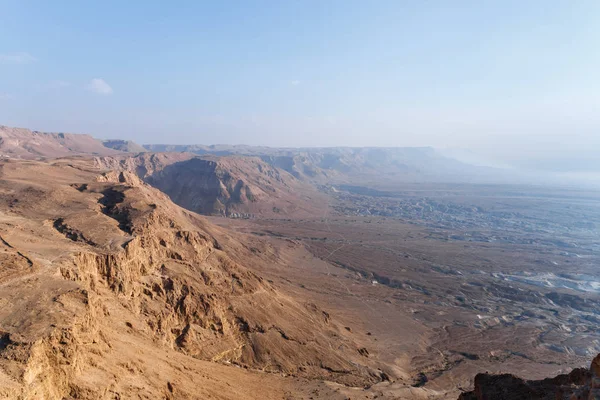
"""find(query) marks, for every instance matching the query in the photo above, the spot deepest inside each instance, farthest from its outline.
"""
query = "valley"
(181, 275)
(299, 200)
(489, 279)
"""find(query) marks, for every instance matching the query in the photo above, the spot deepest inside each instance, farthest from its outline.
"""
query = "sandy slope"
(109, 290)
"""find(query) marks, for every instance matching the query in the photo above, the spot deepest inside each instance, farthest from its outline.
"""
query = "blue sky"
(492, 76)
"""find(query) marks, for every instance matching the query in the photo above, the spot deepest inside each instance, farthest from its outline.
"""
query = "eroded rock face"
(233, 186)
(108, 282)
(581, 383)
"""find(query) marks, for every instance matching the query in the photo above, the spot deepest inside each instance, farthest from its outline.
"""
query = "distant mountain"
(334, 165)
(358, 165)
(126, 146)
(27, 144)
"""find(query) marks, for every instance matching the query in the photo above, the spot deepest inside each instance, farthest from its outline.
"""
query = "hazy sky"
(515, 78)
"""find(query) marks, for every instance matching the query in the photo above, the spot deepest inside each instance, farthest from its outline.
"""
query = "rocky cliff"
(109, 290)
(230, 185)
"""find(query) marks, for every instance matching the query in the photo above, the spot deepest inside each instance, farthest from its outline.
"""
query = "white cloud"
(295, 82)
(17, 58)
(99, 86)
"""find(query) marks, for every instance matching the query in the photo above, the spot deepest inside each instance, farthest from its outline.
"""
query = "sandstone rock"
(109, 290)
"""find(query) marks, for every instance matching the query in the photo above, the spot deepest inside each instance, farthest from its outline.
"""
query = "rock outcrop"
(579, 384)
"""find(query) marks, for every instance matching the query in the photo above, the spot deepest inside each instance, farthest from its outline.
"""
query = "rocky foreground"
(579, 384)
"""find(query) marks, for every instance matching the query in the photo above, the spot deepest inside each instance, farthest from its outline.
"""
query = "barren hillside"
(126, 146)
(27, 144)
(235, 186)
(109, 290)
(112, 286)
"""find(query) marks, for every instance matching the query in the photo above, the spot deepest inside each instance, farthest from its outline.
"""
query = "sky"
(517, 81)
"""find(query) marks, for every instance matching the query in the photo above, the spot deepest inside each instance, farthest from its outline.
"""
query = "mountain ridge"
(345, 164)
(27, 144)
(239, 186)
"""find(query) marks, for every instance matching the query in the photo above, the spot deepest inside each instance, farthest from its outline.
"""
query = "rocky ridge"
(234, 186)
(105, 265)
(27, 144)
(126, 146)
(352, 165)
